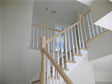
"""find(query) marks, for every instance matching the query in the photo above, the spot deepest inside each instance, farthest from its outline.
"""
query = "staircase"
(58, 62)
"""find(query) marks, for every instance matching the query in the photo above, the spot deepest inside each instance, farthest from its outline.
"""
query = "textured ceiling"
(86, 2)
(65, 11)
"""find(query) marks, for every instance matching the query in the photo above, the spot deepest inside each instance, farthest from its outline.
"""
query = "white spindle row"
(72, 47)
(93, 30)
(36, 35)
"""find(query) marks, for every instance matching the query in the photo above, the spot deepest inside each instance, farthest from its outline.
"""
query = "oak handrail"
(52, 29)
(86, 13)
(68, 28)
(35, 81)
(85, 33)
(58, 68)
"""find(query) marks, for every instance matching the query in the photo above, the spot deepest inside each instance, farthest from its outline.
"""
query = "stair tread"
(77, 55)
(54, 78)
(65, 69)
(68, 62)
(84, 48)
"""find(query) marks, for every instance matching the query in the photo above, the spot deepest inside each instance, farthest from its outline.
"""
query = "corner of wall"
(0, 46)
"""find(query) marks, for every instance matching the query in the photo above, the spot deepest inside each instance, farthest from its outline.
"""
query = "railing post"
(84, 29)
(42, 73)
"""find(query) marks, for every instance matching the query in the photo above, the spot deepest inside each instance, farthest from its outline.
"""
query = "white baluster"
(82, 36)
(89, 28)
(61, 49)
(48, 75)
(37, 37)
(79, 37)
(50, 44)
(32, 37)
(66, 51)
(54, 49)
(92, 25)
(53, 58)
(46, 34)
(58, 60)
(97, 30)
(73, 46)
(45, 73)
(69, 45)
(101, 29)
(76, 42)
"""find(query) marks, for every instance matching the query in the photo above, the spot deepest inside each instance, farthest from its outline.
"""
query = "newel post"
(42, 73)
(84, 29)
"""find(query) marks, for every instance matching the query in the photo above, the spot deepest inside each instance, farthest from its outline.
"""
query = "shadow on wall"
(100, 47)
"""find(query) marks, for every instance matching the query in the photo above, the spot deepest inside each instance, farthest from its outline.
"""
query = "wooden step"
(68, 62)
(74, 54)
(83, 48)
(65, 69)
(54, 78)
(77, 55)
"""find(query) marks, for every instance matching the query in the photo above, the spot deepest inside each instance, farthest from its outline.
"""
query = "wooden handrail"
(52, 29)
(86, 13)
(35, 81)
(58, 68)
(70, 27)
(98, 36)
(85, 33)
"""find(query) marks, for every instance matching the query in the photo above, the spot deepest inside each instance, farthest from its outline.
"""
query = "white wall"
(100, 47)
(103, 83)
(83, 73)
(0, 44)
(20, 64)
(101, 76)
(103, 70)
(100, 8)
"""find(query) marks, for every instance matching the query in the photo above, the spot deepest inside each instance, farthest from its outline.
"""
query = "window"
(60, 39)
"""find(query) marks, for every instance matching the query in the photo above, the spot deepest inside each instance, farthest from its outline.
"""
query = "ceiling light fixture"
(46, 9)
(53, 11)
